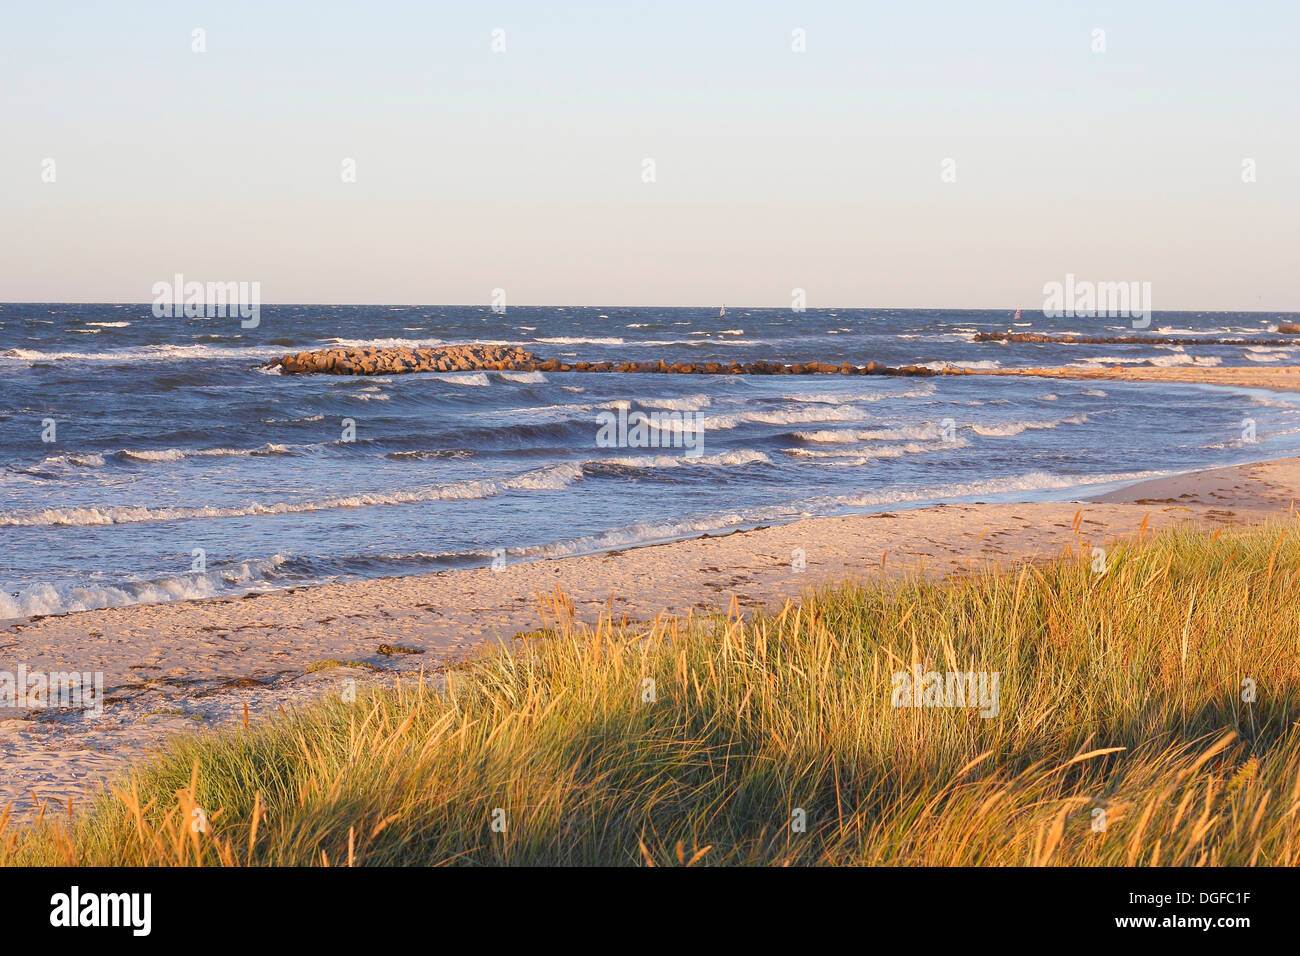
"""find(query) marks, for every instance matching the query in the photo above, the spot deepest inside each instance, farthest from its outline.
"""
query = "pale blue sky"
(775, 169)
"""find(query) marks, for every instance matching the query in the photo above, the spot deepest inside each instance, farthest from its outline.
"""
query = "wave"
(926, 432)
(523, 378)
(548, 478)
(862, 455)
(177, 454)
(931, 432)
(45, 598)
(146, 353)
(688, 403)
(85, 460)
(464, 378)
(579, 340)
(427, 454)
(824, 398)
(386, 343)
(979, 363)
(1009, 429)
(641, 534)
(742, 456)
(1267, 354)
(847, 398)
(1163, 361)
(796, 416)
(1013, 484)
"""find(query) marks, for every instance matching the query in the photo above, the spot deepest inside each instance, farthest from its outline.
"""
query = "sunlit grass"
(1120, 703)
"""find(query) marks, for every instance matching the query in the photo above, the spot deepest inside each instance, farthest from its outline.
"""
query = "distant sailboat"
(722, 312)
(1017, 314)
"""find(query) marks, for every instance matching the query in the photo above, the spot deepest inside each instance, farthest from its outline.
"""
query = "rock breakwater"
(480, 358)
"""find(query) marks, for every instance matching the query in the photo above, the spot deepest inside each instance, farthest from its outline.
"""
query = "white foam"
(1166, 361)
(741, 456)
(796, 416)
(523, 378)
(176, 454)
(45, 598)
(380, 343)
(1028, 481)
(86, 460)
(578, 340)
(1010, 429)
(1267, 354)
(924, 390)
(825, 398)
(980, 363)
(146, 353)
(926, 432)
(689, 403)
(1163, 361)
(931, 432)
(466, 378)
(550, 477)
(861, 455)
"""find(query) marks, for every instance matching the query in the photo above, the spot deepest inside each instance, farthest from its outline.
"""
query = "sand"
(170, 668)
(1282, 378)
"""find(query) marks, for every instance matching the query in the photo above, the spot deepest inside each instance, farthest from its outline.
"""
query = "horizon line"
(553, 305)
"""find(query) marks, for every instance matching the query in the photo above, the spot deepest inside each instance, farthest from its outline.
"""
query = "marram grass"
(1125, 734)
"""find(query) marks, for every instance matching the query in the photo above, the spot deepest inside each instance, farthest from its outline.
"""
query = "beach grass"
(1146, 714)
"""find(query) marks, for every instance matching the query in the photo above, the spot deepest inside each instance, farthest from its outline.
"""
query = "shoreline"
(1284, 378)
(180, 666)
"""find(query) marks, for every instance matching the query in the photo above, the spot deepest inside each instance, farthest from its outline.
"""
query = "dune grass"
(1121, 737)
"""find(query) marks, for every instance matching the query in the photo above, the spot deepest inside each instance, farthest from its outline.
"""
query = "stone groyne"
(479, 358)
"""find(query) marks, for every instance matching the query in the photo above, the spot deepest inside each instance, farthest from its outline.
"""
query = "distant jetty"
(489, 358)
(1130, 339)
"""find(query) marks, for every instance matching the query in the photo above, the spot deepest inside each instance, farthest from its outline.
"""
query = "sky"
(917, 154)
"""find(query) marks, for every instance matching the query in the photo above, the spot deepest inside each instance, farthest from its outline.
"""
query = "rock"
(471, 358)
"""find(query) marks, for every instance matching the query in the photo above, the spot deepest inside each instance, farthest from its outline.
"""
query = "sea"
(148, 459)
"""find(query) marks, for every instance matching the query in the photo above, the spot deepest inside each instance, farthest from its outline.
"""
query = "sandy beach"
(171, 668)
(1281, 378)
